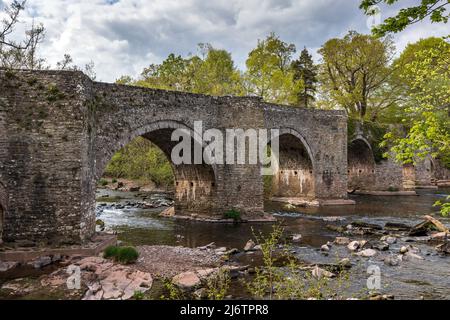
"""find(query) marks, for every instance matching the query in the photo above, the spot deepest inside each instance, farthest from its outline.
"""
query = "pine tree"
(305, 70)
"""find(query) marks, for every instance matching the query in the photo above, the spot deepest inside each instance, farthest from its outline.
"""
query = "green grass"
(124, 255)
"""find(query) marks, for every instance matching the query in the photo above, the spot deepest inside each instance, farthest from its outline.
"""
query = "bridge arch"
(294, 175)
(361, 164)
(194, 184)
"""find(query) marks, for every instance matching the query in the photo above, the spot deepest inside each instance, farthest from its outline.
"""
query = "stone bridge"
(59, 129)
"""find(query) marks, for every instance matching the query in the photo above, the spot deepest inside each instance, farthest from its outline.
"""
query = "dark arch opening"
(361, 165)
(193, 185)
(294, 176)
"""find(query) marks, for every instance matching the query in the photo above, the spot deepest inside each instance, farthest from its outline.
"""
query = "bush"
(111, 252)
(233, 214)
(114, 180)
(103, 182)
(125, 255)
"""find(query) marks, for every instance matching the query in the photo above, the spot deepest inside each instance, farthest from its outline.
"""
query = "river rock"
(296, 237)
(325, 248)
(7, 265)
(384, 246)
(367, 253)
(250, 245)
(439, 236)
(391, 261)
(388, 239)
(443, 248)
(41, 262)
(353, 246)
(403, 249)
(200, 294)
(342, 241)
(345, 263)
(320, 273)
(186, 280)
(205, 273)
(220, 250)
(411, 255)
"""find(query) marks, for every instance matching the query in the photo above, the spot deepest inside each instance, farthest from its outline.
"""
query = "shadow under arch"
(194, 184)
(361, 165)
(294, 177)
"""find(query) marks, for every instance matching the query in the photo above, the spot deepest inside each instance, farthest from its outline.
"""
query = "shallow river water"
(412, 279)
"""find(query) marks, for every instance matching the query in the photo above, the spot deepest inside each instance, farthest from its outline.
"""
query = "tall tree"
(19, 54)
(435, 10)
(354, 70)
(305, 70)
(269, 74)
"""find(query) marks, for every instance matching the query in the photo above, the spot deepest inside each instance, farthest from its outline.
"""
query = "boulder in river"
(392, 261)
(296, 237)
(342, 241)
(353, 246)
(367, 253)
(250, 245)
(443, 248)
(325, 248)
(320, 273)
(388, 239)
(186, 280)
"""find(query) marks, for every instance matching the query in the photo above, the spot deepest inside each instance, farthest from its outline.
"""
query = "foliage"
(289, 282)
(125, 255)
(19, 54)
(355, 73)
(306, 71)
(111, 252)
(232, 214)
(435, 10)
(138, 295)
(445, 206)
(213, 73)
(140, 159)
(103, 182)
(174, 293)
(427, 77)
(269, 74)
(218, 285)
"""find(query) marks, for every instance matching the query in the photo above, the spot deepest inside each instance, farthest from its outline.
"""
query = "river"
(412, 279)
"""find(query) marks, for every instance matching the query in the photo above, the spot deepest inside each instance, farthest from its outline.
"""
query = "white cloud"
(122, 37)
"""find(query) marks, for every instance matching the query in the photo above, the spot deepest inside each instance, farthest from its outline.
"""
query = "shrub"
(114, 180)
(392, 189)
(233, 214)
(138, 295)
(103, 182)
(125, 255)
(111, 252)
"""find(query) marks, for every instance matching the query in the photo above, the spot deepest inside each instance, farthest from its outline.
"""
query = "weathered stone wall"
(42, 157)
(59, 130)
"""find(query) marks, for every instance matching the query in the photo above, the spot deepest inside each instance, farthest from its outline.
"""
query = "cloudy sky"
(124, 36)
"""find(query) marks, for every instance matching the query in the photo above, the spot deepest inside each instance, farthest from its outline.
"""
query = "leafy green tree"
(435, 10)
(269, 74)
(306, 71)
(141, 160)
(425, 71)
(354, 73)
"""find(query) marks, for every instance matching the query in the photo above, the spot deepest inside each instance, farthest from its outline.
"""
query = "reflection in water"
(428, 278)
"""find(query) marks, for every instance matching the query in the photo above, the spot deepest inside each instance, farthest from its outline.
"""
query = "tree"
(355, 70)
(435, 10)
(426, 73)
(306, 71)
(19, 54)
(269, 74)
(213, 73)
